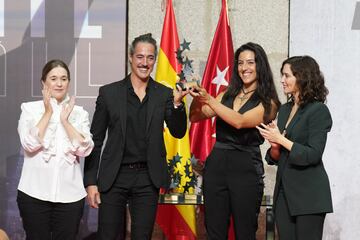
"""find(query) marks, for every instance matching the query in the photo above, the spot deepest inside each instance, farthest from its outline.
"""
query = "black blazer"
(110, 117)
(301, 171)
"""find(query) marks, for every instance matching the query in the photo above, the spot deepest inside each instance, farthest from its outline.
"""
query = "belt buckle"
(136, 165)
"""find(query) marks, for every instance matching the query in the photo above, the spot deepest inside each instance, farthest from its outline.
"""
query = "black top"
(243, 139)
(226, 133)
(135, 144)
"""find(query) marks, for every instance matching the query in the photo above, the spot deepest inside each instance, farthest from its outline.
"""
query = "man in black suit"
(133, 162)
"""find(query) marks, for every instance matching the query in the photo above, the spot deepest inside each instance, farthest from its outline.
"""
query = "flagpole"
(164, 4)
(227, 11)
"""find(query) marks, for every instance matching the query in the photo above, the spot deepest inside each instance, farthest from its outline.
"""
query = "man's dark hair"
(145, 38)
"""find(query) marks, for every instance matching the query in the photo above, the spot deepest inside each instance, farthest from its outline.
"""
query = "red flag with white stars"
(216, 78)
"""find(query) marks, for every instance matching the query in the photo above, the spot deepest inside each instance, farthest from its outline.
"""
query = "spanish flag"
(176, 221)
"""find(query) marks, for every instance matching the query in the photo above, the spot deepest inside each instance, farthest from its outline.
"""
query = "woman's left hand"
(203, 96)
(270, 132)
(67, 109)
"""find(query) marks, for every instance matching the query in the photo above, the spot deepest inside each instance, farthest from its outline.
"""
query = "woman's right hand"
(274, 145)
(270, 132)
(44, 121)
(200, 106)
(46, 99)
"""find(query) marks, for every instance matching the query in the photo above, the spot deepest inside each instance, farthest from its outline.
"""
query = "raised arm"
(309, 150)
(199, 108)
(175, 113)
(80, 137)
(31, 130)
(44, 121)
(249, 119)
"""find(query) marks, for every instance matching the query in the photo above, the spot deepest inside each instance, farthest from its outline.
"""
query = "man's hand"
(93, 196)
(179, 94)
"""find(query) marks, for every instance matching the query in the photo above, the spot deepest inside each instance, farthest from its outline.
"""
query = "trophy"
(188, 85)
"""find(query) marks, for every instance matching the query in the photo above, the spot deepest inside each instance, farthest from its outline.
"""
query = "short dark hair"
(145, 38)
(51, 65)
(309, 79)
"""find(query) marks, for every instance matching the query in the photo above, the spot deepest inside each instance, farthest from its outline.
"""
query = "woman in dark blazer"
(302, 194)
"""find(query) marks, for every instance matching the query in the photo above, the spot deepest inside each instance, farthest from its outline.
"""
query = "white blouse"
(52, 170)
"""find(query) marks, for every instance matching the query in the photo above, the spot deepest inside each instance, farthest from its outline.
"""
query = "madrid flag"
(176, 221)
(216, 78)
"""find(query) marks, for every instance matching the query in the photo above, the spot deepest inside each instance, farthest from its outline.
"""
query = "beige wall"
(261, 21)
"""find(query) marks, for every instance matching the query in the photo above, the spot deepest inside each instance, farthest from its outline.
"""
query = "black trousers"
(302, 227)
(232, 187)
(43, 220)
(134, 187)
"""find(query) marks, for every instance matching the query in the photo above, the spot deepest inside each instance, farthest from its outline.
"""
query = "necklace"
(244, 96)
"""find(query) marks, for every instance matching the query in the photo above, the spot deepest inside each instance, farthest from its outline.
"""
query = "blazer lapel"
(122, 103)
(293, 121)
(283, 117)
(151, 103)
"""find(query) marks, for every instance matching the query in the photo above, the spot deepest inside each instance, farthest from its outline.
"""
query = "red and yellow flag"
(176, 221)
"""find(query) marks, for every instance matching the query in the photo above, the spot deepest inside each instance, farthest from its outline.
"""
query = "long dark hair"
(53, 64)
(309, 79)
(265, 82)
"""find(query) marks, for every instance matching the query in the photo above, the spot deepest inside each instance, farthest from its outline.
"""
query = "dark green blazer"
(301, 170)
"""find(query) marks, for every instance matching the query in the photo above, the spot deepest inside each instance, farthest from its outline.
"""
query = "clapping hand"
(270, 132)
(67, 109)
(46, 99)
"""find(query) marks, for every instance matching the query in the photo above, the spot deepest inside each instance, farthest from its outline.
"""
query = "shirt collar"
(148, 87)
(63, 102)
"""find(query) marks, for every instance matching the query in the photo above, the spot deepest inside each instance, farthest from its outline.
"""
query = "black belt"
(138, 165)
(231, 146)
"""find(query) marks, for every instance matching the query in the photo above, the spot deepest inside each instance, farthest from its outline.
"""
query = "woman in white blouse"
(54, 134)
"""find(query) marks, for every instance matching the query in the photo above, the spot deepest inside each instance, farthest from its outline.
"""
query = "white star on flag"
(220, 78)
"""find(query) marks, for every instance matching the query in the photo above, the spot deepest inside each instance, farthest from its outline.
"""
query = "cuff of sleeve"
(178, 105)
(82, 148)
(70, 158)
(75, 144)
(269, 159)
